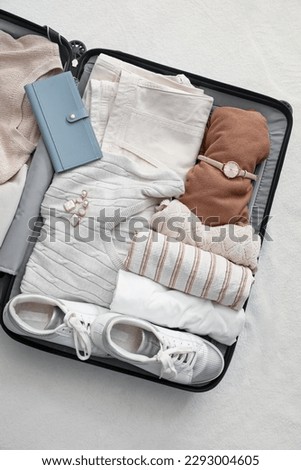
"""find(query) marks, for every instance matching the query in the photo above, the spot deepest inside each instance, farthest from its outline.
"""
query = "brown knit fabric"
(232, 134)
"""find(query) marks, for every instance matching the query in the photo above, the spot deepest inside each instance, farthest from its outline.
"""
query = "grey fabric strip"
(18, 237)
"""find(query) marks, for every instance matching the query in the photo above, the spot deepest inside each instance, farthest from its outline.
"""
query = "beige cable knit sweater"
(238, 244)
(22, 61)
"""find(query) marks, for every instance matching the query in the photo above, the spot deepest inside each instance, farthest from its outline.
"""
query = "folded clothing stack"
(189, 269)
(129, 182)
(151, 129)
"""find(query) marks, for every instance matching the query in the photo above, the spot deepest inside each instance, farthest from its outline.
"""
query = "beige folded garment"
(238, 244)
(189, 269)
(146, 116)
(23, 60)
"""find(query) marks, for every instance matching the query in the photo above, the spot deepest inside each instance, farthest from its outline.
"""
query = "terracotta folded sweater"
(232, 134)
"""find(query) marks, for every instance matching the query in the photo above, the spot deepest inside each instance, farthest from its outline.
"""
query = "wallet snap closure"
(77, 115)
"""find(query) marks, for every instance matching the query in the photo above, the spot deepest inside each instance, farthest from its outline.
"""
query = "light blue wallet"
(63, 121)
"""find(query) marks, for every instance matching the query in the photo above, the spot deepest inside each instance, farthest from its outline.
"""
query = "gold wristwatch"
(230, 169)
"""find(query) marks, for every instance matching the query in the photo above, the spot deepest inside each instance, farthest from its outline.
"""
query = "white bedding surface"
(49, 402)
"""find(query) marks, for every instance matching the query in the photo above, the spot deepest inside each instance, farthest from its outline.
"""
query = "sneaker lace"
(174, 359)
(81, 335)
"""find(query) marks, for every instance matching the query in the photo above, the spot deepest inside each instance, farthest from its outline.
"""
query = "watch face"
(231, 169)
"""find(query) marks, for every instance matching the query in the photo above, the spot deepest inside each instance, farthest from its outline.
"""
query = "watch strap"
(247, 174)
(211, 162)
(220, 166)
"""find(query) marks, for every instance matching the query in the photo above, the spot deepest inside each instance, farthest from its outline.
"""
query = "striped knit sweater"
(189, 269)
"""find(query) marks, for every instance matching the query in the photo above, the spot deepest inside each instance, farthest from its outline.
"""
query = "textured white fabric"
(107, 70)
(10, 194)
(99, 98)
(166, 307)
(238, 244)
(78, 263)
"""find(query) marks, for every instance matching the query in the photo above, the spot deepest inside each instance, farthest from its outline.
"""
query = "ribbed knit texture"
(22, 61)
(238, 244)
(189, 269)
(86, 269)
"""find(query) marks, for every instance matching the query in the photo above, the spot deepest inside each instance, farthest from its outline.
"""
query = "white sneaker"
(57, 321)
(173, 355)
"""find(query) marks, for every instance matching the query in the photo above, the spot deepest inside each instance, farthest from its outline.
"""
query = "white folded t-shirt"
(143, 298)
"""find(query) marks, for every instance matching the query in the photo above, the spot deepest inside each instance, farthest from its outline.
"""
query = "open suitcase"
(19, 241)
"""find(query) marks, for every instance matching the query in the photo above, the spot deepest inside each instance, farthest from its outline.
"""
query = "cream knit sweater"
(81, 263)
(238, 244)
(22, 61)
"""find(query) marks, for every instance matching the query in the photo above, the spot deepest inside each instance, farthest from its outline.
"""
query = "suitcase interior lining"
(11, 24)
(14, 30)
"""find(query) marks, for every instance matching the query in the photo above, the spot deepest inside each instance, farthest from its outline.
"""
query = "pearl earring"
(77, 207)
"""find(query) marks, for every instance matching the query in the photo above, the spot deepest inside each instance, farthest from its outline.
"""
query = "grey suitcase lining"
(14, 30)
(16, 249)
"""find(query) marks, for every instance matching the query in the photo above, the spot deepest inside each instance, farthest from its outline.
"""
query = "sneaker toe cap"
(214, 364)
